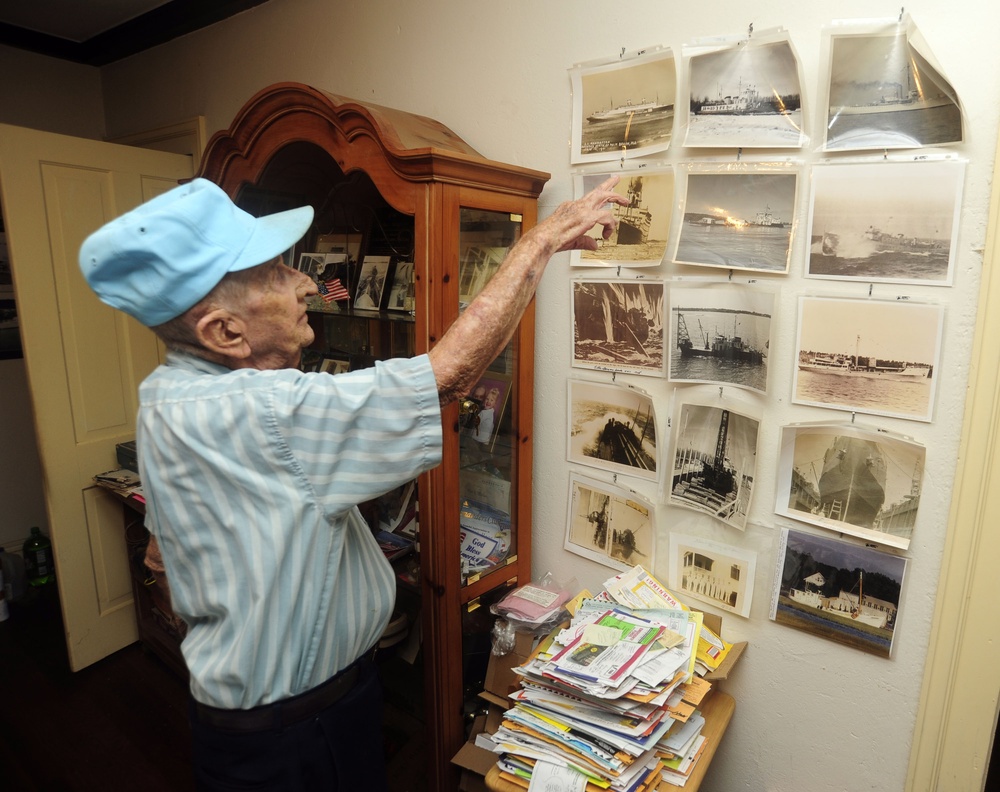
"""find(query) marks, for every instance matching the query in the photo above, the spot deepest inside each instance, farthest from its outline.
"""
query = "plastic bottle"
(15, 581)
(38, 558)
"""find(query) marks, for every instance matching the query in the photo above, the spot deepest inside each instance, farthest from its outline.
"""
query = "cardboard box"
(499, 683)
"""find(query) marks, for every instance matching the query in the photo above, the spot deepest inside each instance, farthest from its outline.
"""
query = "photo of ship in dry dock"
(851, 480)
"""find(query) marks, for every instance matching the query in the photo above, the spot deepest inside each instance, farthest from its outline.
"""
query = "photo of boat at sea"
(746, 96)
(853, 480)
(720, 335)
(612, 428)
(885, 94)
(737, 221)
(838, 590)
(871, 356)
(625, 106)
(887, 221)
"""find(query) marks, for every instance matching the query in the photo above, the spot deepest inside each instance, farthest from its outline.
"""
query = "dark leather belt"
(287, 711)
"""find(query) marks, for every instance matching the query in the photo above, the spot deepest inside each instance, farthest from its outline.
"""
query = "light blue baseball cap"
(161, 258)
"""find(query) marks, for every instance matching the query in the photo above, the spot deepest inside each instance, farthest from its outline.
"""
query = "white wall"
(810, 714)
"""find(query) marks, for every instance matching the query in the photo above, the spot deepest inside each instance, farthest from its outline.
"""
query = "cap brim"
(273, 235)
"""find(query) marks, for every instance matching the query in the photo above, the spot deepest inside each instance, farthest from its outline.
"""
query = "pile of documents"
(610, 702)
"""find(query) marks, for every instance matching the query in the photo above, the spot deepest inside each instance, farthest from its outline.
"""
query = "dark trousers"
(338, 748)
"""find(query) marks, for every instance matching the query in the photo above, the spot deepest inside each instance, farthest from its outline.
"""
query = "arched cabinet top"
(401, 152)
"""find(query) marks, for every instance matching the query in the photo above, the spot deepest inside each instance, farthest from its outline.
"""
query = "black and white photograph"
(371, 282)
(871, 356)
(643, 227)
(331, 365)
(852, 480)
(623, 107)
(477, 265)
(618, 326)
(401, 296)
(612, 428)
(885, 222)
(714, 453)
(720, 334)
(740, 218)
(746, 95)
(609, 524)
(718, 574)
(838, 590)
(885, 94)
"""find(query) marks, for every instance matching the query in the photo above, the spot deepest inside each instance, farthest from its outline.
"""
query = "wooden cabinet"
(400, 190)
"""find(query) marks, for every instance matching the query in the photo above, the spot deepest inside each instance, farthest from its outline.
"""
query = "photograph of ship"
(746, 95)
(838, 590)
(890, 222)
(737, 220)
(714, 462)
(640, 238)
(720, 334)
(624, 106)
(618, 326)
(719, 574)
(885, 94)
(609, 524)
(612, 428)
(852, 480)
(871, 356)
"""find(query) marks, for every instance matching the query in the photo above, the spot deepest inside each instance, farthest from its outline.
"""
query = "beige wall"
(810, 714)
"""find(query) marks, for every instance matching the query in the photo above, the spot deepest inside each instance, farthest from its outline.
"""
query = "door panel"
(84, 360)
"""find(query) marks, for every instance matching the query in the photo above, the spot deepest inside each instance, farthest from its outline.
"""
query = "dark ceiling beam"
(169, 21)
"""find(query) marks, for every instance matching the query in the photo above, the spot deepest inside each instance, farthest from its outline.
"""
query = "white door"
(84, 361)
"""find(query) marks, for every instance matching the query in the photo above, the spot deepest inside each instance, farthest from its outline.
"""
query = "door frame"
(957, 714)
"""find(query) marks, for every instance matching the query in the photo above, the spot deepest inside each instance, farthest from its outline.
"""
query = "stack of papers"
(612, 698)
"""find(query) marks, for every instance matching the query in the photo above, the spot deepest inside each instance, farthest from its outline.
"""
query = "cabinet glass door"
(488, 413)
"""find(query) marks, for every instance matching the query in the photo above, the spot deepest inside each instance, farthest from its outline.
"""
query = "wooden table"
(718, 710)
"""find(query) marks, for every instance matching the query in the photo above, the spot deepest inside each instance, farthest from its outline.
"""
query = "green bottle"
(38, 558)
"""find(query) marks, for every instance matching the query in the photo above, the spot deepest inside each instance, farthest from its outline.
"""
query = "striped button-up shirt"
(252, 480)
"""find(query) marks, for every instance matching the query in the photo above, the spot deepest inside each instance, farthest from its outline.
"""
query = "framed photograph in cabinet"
(332, 365)
(401, 293)
(371, 282)
(477, 266)
(490, 395)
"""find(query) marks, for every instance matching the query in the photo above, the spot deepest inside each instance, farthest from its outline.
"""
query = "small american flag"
(333, 289)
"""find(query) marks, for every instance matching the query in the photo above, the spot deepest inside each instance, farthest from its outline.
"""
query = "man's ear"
(223, 333)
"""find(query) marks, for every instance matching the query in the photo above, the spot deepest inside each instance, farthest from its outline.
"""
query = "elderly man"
(253, 471)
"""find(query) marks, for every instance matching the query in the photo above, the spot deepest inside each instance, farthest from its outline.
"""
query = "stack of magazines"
(613, 697)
